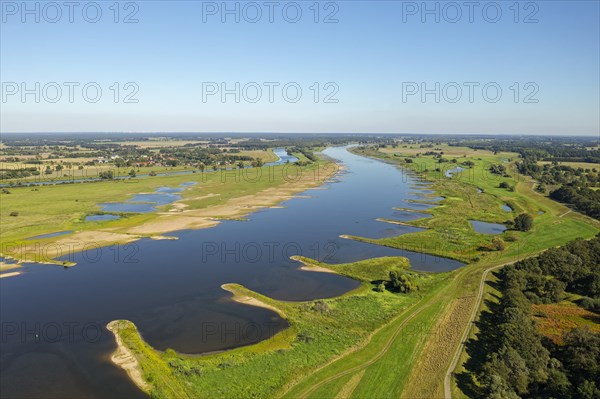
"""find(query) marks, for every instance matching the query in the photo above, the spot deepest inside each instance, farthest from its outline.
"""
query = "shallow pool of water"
(487, 228)
(141, 203)
(101, 218)
(55, 234)
(452, 171)
(170, 189)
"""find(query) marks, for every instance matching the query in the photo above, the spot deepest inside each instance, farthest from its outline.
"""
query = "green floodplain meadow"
(368, 343)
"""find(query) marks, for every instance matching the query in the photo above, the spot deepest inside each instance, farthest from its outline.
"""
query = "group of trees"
(499, 169)
(523, 222)
(583, 199)
(304, 151)
(398, 282)
(510, 359)
(575, 185)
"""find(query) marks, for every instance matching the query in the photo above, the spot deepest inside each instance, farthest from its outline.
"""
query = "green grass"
(449, 233)
(316, 337)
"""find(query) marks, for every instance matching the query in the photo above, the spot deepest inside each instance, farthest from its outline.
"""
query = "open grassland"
(448, 151)
(227, 194)
(583, 165)
(320, 331)
(448, 233)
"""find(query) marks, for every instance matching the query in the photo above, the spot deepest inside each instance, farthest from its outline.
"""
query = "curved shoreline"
(240, 297)
(125, 359)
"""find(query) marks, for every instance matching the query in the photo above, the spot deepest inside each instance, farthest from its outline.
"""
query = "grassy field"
(319, 332)
(583, 165)
(449, 233)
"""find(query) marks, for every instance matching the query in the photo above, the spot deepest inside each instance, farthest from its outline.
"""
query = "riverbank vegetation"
(474, 193)
(320, 331)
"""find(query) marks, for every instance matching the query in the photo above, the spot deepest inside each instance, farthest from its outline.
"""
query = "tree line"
(510, 359)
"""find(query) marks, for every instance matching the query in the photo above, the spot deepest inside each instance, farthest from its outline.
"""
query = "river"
(54, 343)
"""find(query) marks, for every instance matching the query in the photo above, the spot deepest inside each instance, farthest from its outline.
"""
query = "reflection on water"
(171, 289)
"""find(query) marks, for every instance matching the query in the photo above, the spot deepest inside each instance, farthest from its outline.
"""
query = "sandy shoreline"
(247, 300)
(11, 274)
(126, 360)
(309, 267)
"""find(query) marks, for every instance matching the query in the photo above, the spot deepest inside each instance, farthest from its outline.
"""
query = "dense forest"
(510, 358)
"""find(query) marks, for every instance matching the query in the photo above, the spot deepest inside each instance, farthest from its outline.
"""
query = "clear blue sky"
(371, 56)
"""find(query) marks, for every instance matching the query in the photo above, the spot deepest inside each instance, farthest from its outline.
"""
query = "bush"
(511, 237)
(591, 304)
(106, 175)
(498, 243)
(523, 222)
(320, 307)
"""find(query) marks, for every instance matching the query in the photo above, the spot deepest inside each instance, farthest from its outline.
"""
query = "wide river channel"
(54, 342)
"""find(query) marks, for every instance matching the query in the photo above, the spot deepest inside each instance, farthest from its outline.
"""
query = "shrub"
(320, 307)
(523, 222)
(106, 175)
(498, 244)
(591, 304)
(511, 237)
